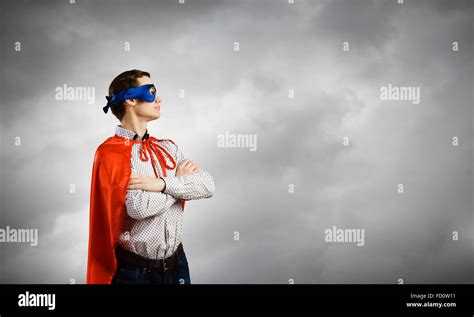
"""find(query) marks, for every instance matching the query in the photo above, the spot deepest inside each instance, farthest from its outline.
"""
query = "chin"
(154, 117)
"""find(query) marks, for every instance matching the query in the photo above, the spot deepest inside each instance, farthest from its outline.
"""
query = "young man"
(138, 193)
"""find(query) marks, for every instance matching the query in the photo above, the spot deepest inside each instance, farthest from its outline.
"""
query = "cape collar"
(128, 134)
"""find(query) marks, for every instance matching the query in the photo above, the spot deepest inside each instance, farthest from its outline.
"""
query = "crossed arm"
(150, 196)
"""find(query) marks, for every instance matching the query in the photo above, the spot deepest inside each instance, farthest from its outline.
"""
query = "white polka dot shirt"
(153, 223)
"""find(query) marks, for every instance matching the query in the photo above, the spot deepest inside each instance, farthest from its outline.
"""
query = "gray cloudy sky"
(300, 141)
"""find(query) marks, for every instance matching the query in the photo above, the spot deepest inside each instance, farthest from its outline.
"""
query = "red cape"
(110, 177)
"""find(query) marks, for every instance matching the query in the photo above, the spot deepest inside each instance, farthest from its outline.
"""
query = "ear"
(130, 102)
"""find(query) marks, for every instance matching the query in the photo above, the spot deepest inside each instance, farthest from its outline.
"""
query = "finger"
(135, 181)
(194, 163)
(191, 165)
(134, 186)
(134, 174)
(184, 163)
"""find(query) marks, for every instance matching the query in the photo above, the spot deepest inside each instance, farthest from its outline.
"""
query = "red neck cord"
(149, 147)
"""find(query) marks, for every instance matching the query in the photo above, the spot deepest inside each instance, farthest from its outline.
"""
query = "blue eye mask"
(143, 92)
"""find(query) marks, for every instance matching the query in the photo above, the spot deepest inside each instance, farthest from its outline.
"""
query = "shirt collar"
(128, 134)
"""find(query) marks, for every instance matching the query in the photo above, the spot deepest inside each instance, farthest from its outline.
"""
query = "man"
(138, 192)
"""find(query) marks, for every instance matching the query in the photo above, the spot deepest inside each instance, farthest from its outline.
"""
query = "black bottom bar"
(431, 299)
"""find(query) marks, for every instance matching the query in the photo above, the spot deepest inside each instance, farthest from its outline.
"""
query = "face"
(147, 111)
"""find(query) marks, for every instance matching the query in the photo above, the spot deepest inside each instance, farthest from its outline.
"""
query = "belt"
(128, 258)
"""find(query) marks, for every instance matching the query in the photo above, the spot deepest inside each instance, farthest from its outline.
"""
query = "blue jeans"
(178, 274)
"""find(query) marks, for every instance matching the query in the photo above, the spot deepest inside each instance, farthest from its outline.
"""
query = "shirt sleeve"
(190, 187)
(142, 204)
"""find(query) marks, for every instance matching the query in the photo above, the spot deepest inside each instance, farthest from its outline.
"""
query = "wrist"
(162, 184)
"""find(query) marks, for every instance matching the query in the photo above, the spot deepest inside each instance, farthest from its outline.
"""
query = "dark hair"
(124, 81)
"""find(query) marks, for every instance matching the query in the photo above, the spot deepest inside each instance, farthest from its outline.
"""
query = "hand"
(148, 183)
(187, 167)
